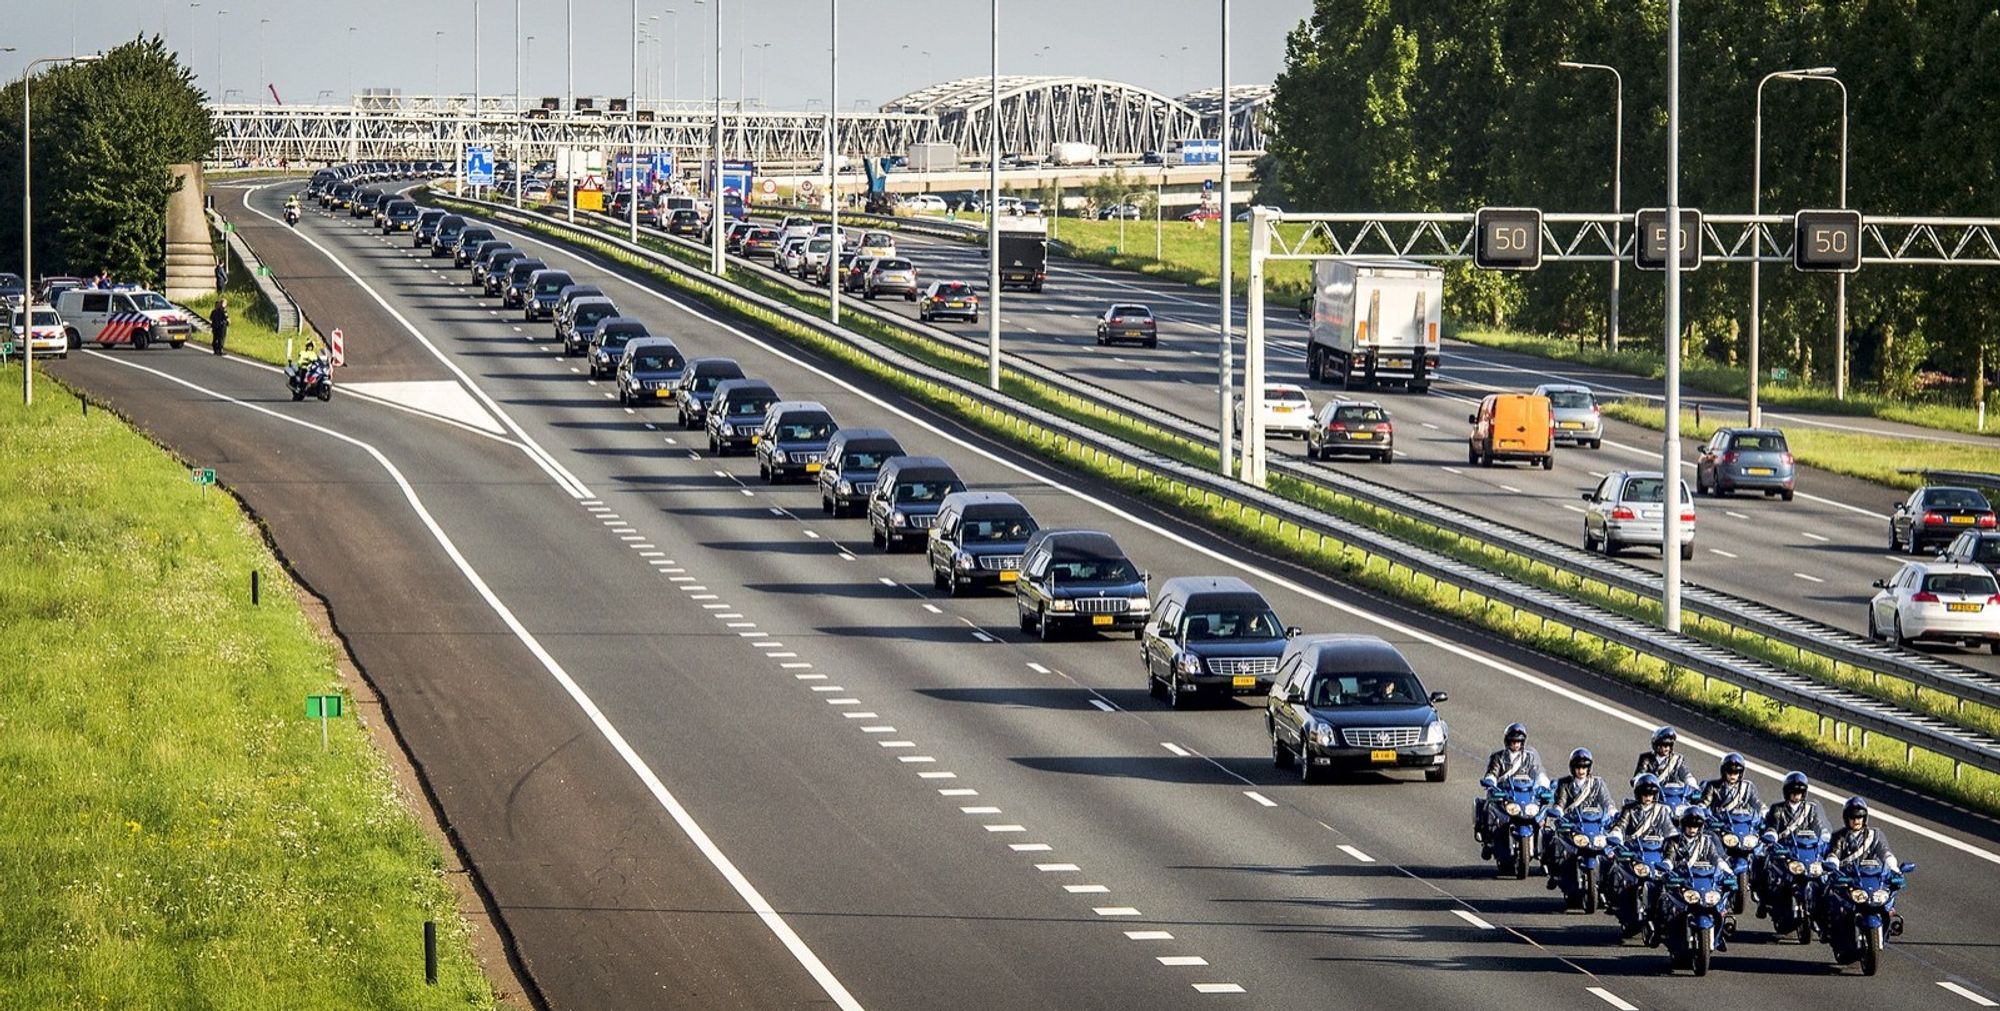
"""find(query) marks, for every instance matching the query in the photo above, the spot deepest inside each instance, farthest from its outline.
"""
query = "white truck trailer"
(1374, 323)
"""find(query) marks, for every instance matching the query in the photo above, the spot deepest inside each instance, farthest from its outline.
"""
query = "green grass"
(175, 837)
(1870, 457)
(250, 334)
(1327, 554)
(1727, 380)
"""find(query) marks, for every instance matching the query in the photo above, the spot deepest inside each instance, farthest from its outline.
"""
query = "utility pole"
(1671, 505)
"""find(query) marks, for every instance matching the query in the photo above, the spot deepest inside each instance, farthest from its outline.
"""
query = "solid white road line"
(1968, 994)
(1474, 920)
(1355, 853)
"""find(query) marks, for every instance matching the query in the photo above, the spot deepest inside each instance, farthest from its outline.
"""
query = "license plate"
(1100, 619)
(813, 468)
(1132, 333)
(1009, 575)
(664, 394)
(1382, 755)
(753, 440)
(1964, 521)
(1963, 607)
(955, 305)
(1571, 424)
(1281, 409)
(1243, 681)
(1396, 363)
(1361, 435)
(1758, 471)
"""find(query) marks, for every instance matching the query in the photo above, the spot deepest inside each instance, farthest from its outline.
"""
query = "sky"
(305, 50)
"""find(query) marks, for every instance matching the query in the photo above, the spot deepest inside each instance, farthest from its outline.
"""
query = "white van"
(132, 316)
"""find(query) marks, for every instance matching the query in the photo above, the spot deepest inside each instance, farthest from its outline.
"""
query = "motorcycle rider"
(1693, 844)
(1793, 814)
(1578, 791)
(1857, 840)
(1664, 762)
(1730, 792)
(1642, 816)
(1514, 758)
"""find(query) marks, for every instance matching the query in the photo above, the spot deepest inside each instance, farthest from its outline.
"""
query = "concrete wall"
(190, 253)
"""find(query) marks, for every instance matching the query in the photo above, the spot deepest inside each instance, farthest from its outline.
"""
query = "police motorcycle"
(292, 215)
(1635, 867)
(1744, 843)
(311, 376)
(1676, 796)
(1794, 877)
(1860, 911)
(1578, 849)
(1522, 803)
(1691, 921)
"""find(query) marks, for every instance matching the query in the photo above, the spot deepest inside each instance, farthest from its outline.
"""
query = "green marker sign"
(323, 708)
(6, 350)
(202, 475)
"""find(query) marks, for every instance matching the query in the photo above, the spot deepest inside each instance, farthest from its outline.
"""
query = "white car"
(1287, 410)
(1625, 510)
(877, 244)
(791, 253)
(795, 227)
(43, 333)
(121, 316)
(925, 203)
(1937, 602)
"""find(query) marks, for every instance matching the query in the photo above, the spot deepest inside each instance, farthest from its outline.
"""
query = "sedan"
(1286, 409)
(1935, 515)
(1353, 702)
(1975, 547)
(1746, 459)
(1352, 426)
(1128, 322)
(1626, 509)
(893, 275)
(760, 242)
(1579, 419)
(1937, 602)
(949, 300)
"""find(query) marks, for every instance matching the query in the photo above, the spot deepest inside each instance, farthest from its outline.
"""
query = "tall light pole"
(632, 124)
(993, 212)
(437, 48)
(1670, 450)
(28, 221)
(520, 70)
(674, 33)
(569, 107)
(219, 15)
(1757, 207)
(263, 82)
(1617, 186)
(716, 222)
(194, 29)
(351, 30)
(742, 40)
(763, 61)
(1225, 366)
(529, 59)
(833, 164)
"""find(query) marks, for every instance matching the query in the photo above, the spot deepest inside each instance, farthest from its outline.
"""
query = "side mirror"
(1589, 496)
(1472, 419)
(1880, 584)
(1769, 837)
(1438, 698)
(1145, 577)
(1295, 697)
(1907, 868)
(1293, 631)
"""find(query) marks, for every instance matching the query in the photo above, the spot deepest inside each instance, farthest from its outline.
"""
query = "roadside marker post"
(323, 708)
(339, 345)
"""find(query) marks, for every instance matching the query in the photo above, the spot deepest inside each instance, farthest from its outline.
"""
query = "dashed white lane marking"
(650, 554)
(983, 637)
(713, 607)
(747, 493)
(703, 596)
(1005, 828)
(1356, 854)
(1451, 470)
(1030, 847)
(958, 791)
(1428, 425)
(1182, 960)
(1610, 998)
(878, 730)
(843, 702)
(1114, 911)
(828, 688)
(1175, 748)
(978, 810)
(1809, 579)
(775, 511)
(1510, 488)
(741, 624)
(1261, 800)
(691, 587)
(897, 744)
(665, 564)
(808, 677)
(1809, 535)
(861, 716)
(1474, 920)
(1148, 935)
(794, 666)
(1571, 508)
(1218, 988)
(937, 775)
(933, 608)
(1057, 868)
(814, 534)
(1719, 551)
(1967, 994)
(916, 759)
(885, 580)
(1086, 889)
(1734, 514)
(1103, 706)
(1038, 668)
(845, 557)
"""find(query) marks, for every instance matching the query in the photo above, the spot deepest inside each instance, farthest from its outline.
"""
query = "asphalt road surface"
(708, 748)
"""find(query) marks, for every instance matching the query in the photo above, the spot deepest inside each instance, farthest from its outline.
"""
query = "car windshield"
(42, 318)
(804, 429)
(147, 300)
(1977, 584)
(819, 245)
(1210, 624)
(1092, 570)
(998, 525)
(590, 314)
(1346, 690)
(750, 407)
(1759, 442)
(1647, 489)
(1131, 310)
(656, 361)
(615, 339)
(1284, 394)
(526, 268)
(1571, 399)
(954, 290)
(866, 459)
(551, 287)
(926, 491)
(1955, 498)
(877, 239)
(892, 265)
(764, 234)
(1361, 415)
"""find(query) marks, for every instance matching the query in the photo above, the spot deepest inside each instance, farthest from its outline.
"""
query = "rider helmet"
(1646, 784)
(1580, 756)
(1732, 762)
(1856, 808)
(1517, 732)
(1694, 817)
(1796, 781)
(1666, 736)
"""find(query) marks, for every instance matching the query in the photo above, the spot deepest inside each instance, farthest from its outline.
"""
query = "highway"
(1814, 556)
(707, 747)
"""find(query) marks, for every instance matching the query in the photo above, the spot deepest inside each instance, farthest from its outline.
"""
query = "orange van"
(1512, 426)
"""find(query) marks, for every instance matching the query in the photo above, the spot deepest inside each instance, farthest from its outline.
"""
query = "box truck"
(1374, 323)
(1073, 153)
(1024, 252)
(931, 156)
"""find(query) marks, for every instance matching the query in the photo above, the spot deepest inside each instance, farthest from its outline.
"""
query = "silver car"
(1625, 510)
(892, 275)
(1937, 602)
(1579, 420)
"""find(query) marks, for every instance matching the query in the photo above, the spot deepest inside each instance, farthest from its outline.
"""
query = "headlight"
(1713, 898)
(1434, 732)
(1188, 663)
(1597, 841)
(1513, 808)
(1795, 867)
(1881, 896)
(845, 487)
(1062, 605)
(1141, 605)
(1730, 840)
(1582, 841)
(1532, 810)
(1814, 869)
(964, 561)
(897, 519)
(1641, 871)
(1858, 894)
(778, 456)
(1323, 735)
(1690, 895)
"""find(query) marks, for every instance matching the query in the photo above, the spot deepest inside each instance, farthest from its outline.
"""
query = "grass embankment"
(1870, 457)
(1728, 380)
(250, 334)
(1887, 757)
(174, 835)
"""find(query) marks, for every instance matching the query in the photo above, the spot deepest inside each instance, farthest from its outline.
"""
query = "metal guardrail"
(1778, 625)
(1841, 706)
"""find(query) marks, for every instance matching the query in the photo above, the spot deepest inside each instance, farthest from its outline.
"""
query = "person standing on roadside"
(218, 324)
(221, 275)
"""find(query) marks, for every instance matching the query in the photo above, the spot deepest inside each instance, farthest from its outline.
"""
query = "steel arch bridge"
(1037, 113)
(1249, 111)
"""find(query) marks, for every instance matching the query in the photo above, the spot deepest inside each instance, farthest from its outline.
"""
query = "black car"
(1350, 702)
(543, 289)
(1975, 547)
(483, 254)
(363, 203)
(608, 340)
(736, 414)
(1934, 514)
(520, 280)
(1079, 579)
(468, 244)
(584, 316)
(854, 457)
(793, 440)
(948, 300)
(400, 216)
(697, 387)
(686, 221)
(1352, 426)
(497, 268)
(426, 227)
(1211, 637)
(446, 234)
(648, 371)
(908, 492)
(978, 540)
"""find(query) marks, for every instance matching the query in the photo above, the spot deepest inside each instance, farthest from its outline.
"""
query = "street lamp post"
(351, 30)
(674, 34)
(1670, 450)
(833, 164)
(219, 15)
(28, 221)
(1757, 207)
(194, 29)
(1617, 186)
(1225, 366)
(716, 263)
(993, 212)
(263, 82)
(763, 61)
(520, 70)
(1121, 216)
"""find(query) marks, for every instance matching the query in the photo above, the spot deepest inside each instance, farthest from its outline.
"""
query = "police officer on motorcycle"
(1664, 763)
(1857, 840)
(1578, 791)
(1693, 844)
(1730, 792)
(1513, 759)
(1795, 813)
(1642, 816)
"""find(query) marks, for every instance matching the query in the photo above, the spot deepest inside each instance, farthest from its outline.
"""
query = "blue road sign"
(479, 166)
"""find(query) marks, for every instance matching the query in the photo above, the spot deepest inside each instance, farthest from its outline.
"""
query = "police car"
(132, 316)
(40, 329)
